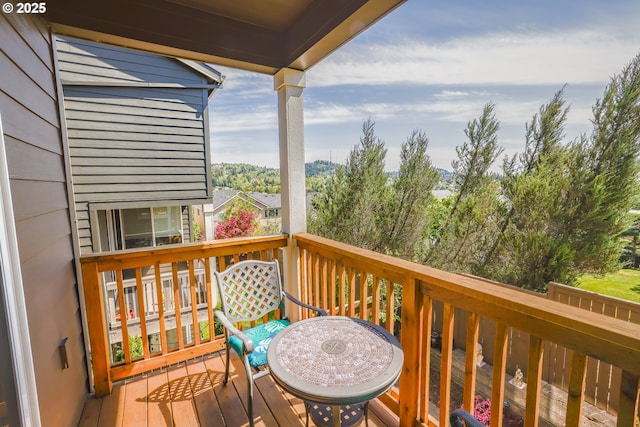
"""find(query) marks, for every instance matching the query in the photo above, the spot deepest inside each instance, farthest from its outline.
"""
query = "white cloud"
(456, 94)
(454, 111)
(572, 56)
(246, 84)
(259, 117)
(517, 71)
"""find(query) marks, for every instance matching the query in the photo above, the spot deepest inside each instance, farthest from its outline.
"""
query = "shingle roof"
(271, 201)
(220, 197)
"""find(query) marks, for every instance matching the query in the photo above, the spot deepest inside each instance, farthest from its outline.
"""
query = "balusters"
(142, 313)
(499, 372)
(534, 381)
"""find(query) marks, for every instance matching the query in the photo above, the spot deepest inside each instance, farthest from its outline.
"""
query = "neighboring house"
(267, 207)
(138, 132)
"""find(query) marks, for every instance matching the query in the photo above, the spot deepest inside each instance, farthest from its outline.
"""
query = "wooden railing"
(348, 280)
(165, 279)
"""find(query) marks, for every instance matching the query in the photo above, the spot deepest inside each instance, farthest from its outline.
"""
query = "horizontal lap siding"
(131, 144)
(82, 61)
(32, 136)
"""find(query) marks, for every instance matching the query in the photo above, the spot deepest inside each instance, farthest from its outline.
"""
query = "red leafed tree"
(238, 225)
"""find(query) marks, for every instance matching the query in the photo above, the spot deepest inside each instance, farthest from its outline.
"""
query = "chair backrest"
(249, 290)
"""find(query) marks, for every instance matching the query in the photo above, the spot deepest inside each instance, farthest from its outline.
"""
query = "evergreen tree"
(407, 208)
(610, 169)
(569, 204)
(349, 209)
(472, 211)
(522, 251)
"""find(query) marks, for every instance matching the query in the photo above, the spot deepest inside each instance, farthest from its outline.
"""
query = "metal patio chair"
(461, 418)
(252, 290)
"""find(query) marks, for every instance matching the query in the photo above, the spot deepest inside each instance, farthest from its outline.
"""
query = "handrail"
(327, 266)
(171, 259)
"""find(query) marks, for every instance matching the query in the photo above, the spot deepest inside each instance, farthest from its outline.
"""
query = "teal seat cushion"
(261, 336)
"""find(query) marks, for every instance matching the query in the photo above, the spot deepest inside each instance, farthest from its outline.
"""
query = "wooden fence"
(602, 383)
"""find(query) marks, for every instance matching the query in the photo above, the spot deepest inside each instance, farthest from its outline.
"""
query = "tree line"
(558, 209)
(246, 177)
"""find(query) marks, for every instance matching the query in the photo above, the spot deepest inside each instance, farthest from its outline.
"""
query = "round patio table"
(335, 361)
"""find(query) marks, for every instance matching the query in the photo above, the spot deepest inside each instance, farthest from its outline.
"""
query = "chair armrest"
(318, 310)
(231, 329)
(461, 418)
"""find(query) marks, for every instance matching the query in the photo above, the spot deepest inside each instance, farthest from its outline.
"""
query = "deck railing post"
(411, 340)
(629, 399)
(289, 85)
(97, 323)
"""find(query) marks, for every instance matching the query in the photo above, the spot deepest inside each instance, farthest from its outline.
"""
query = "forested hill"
(246, 177)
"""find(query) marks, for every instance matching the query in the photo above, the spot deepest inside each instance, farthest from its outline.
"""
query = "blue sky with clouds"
(432, 65)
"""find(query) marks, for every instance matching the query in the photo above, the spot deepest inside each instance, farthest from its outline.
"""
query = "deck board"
(91, 413)
(182, 404)
(232, 410)
(113, 407)
(278, 403)
(261, 412)
(136, 405)
(192, 394)
(207, 408)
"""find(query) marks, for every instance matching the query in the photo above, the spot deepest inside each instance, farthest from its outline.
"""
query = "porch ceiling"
(257, 35)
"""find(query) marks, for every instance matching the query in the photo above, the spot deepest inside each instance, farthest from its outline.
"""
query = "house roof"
(270, 201)
(111, 66)
(256, 35)
(221, 197)
(207, 71)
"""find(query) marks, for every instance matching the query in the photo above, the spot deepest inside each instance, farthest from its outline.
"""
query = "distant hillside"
(319, 167)
(246, 177)
(446, 180)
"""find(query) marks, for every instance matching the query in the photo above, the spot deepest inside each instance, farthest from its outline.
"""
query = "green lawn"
(624, 284)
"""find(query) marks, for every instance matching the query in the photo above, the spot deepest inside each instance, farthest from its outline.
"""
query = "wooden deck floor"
(192, 394)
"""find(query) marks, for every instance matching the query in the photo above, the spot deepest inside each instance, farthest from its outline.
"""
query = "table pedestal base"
(337, 416)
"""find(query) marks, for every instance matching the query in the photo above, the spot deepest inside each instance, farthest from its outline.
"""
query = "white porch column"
(290, 84)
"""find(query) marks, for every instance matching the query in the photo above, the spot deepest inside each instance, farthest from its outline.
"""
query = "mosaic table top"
(335, 360)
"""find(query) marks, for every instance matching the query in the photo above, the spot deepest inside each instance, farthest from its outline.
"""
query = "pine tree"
(610, 171)
(569, 204)
(469, 220)
(349, 209)
(521, 249)
(408, 205)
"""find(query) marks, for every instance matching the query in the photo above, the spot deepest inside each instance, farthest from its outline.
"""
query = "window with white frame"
(144, 227)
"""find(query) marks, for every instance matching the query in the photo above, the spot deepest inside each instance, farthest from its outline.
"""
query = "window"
(167, 225)
(142, 227)
(272, 213)
(137, 228)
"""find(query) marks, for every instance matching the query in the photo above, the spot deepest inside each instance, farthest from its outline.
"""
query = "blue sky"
(432, 65)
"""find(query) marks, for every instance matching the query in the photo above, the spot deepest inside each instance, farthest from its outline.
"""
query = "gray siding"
(86, 62)
(30, 116)
(136, 129)
(186, 224)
